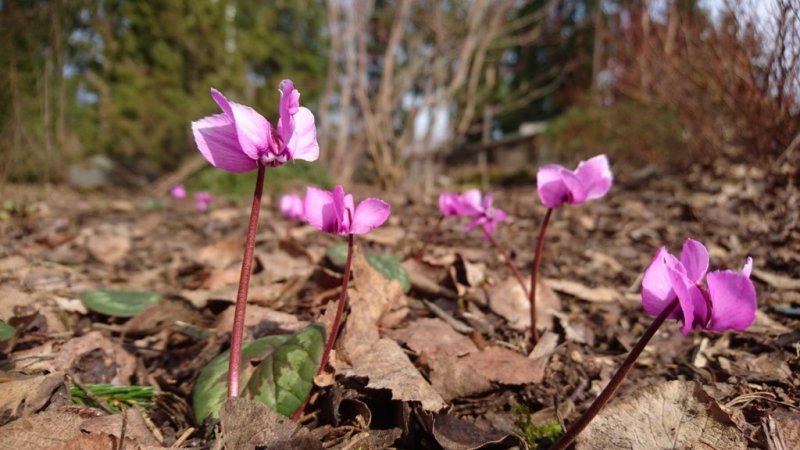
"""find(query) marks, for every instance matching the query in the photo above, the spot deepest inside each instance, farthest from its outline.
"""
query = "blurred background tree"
(397, 84)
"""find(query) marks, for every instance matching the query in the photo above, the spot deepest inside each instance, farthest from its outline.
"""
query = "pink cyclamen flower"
(449, 204)
(203, 200)
(178, 191)
(292, 206)
(558, 185)
(473, 204)
(240, 139)
(726, 302)
(335, 212)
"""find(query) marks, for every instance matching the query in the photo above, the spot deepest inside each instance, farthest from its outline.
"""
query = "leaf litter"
(441, 366)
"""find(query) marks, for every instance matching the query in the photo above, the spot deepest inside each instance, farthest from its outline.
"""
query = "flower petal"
(292, 206)
(657, 289)
(691, 301)
(252, 129)
(694, 258)
(748, 267)
(370, 213)
(289, 104)
(303, 142)
(733, 300)
(449, 204)
(557, 185)
(595, 175)
(217, 141)
(318, 210)
(470, 202)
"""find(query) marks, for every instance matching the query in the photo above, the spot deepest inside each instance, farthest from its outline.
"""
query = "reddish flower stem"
(235, 364)
(431, 235)
(337, 321)
(509, 263)
(575, 429)
(537, 259)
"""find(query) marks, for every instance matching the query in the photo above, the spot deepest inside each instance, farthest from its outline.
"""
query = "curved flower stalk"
(239, 140)
(673, 288)
(557, 185)
(335, 212)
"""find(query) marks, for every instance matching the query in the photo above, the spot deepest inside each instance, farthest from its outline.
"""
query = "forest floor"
(443, 365)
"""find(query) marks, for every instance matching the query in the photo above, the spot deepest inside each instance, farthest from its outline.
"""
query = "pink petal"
(449, 204)
(471, 202)
(318, 210)
(217, 141)
(733, 300)
(694, 258)
(595, 175)
(557, 185)
(292, 206)
(370, 213)
(691, 302)
(303, 142)
(748, 267)
(289, 104)
(657, 289)
(252, 129)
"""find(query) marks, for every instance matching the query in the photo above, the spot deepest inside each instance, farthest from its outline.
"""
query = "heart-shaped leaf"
(387, 264)
(6, 331)
(119, 303)
(282, 380)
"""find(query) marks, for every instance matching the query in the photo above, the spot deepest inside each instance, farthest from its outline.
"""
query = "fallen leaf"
(506, 366)
(675, 414)
(135, 427)
(452, 377)
(777, 281)
(508, 300)
(583, 292)
(430, 335)
(26, 396)
(388, 235)
(788, 424)
(247, 423)
(46, 430)
(221, 254)
(114, 362)
(107, 247)
(454, 433)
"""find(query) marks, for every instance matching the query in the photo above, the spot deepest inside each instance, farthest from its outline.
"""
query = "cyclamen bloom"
(449, 204)
(292, 206)
(335, 212)
(558, 185)
(240, 139)
(727, 303)
(203, 200)
(474, 204)
(178, 191)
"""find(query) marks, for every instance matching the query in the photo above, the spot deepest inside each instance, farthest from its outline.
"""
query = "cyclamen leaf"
(284, 379)
(6, 331)
(119, 303)
(285, 373)
(387, 264)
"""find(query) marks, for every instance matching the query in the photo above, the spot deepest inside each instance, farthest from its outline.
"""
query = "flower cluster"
(202, 200)
(475, 206)
(726, 301)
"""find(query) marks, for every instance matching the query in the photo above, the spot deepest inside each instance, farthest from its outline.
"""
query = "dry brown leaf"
(505, 366)
(777, 281)
(675, 414)
(787, 428)
(387, 367)
(46, 430)
(387, 235)
(430, 335)
(108, 247)
(281, 266)
(508, 300)
(27, 396)
(164, 314)
(135, 427)
(266, 317)
(452, 377)
(454, 433)
(583, 292)
(119, 363)
(221, 254)
(247, 423)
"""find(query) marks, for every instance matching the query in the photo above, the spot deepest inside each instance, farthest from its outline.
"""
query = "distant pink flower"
(203, 200)
(473, 204)
(450, 204)
(178, 191)
(727, 303)
(292, 206)
(558, 185)
(335, 212)
(240, 139)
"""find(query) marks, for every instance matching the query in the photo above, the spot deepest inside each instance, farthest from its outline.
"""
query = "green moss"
(536, 436)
